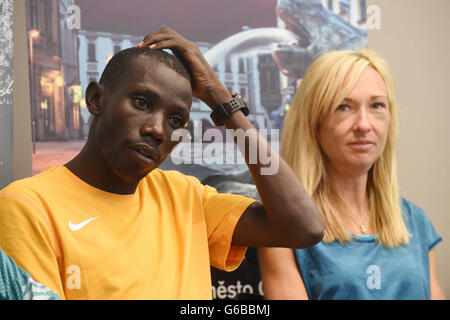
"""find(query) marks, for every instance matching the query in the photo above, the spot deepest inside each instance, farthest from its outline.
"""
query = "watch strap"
(223, 111)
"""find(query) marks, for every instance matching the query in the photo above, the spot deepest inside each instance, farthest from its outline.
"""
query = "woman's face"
(353, 135)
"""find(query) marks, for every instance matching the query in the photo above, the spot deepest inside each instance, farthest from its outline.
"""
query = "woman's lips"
(361, 144)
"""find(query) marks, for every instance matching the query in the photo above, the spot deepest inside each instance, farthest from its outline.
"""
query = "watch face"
(236, 103)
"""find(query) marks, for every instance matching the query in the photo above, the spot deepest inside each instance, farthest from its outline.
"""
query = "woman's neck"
(352, 189)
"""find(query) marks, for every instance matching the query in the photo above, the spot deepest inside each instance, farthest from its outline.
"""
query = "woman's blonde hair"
(328, 80)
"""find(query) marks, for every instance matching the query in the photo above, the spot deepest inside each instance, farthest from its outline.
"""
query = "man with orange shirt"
(110, 225)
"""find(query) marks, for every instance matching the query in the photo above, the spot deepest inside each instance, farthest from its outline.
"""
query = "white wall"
(414, 38)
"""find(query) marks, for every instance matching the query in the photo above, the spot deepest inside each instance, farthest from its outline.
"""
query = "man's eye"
(176, 122)
(140, 103)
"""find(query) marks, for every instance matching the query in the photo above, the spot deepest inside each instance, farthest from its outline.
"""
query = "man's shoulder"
(34, 185)
(21, 199)
(175, 181)
(171, 176)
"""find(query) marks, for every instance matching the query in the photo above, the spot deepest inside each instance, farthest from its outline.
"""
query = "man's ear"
(95, 97)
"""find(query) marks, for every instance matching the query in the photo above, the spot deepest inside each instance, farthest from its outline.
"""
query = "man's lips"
(146, 151)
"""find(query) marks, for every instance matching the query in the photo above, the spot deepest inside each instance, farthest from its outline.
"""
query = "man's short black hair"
(116, 67)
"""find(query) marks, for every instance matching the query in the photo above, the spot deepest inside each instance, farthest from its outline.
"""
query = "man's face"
(139, 115)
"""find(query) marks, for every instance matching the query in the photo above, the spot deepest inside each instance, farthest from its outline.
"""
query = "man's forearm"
(288, 207)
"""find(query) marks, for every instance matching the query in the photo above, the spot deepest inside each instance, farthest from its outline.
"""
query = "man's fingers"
(203, 78)
(166, 44)
(159, 35)
(182, 48)
(161, 42)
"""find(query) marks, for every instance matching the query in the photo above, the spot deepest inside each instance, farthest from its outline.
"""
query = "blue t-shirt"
(17, 284)
(364, 269)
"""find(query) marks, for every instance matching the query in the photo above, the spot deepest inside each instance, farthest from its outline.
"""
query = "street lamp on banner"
(32, 35)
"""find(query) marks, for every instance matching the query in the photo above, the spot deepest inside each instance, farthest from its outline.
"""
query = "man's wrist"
(224, 111)
(217, 97)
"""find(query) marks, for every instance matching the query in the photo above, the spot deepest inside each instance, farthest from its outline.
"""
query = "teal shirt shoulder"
(364, 269)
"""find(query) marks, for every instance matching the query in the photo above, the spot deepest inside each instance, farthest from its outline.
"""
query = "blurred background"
(259, 49)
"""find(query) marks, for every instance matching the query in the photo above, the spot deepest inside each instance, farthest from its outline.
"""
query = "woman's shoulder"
(418, 223)
(412, 211)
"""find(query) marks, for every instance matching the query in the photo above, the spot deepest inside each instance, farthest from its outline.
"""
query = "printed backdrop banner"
(6, 93)
(258, 48)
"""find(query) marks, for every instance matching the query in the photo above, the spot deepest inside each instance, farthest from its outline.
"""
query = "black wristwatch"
(223, 111)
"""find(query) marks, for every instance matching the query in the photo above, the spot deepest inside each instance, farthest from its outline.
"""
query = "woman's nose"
(362, 121)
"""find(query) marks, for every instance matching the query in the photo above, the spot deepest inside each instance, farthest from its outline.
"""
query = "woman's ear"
(95, 97)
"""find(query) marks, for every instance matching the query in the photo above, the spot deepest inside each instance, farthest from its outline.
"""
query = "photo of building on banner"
(259, 49)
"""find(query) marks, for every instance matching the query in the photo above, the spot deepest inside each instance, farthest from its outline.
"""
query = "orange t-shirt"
(85, 243)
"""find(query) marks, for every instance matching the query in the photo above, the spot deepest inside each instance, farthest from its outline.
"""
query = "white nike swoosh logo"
(76, 227)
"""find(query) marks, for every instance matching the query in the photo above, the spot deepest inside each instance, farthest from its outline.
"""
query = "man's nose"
(362, 121)
(154, 126)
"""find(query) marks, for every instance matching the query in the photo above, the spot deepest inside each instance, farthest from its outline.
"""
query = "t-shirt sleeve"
(432, 238)
(26, 236)
(222, 213)
(428, 234)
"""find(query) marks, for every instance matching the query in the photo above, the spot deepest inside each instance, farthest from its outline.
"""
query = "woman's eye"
(343, 107)
(378, 105)
(140, 103)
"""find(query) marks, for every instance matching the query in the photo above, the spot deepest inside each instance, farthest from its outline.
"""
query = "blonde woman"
(339, 138)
